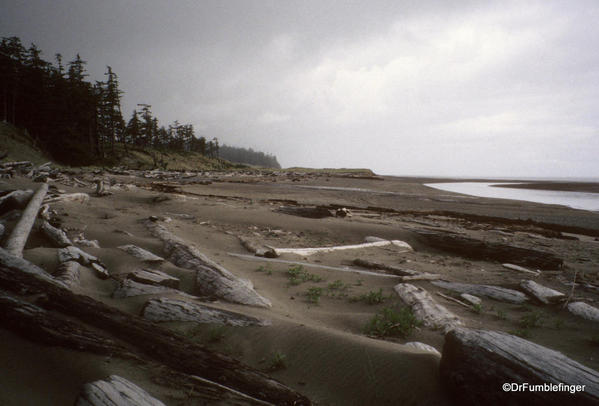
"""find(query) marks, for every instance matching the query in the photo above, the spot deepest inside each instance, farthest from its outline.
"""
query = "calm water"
(577, 200)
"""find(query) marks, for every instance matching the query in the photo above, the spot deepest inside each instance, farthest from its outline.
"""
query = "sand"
(327, 355)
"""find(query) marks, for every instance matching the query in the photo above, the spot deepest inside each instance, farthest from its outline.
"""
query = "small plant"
(337, 285)
(217, 333)
(370, 298)
(277, 361)
(389, 322)
(313, 294)
(264, 269)
(477, 308)
(298, 275)
(534, 319)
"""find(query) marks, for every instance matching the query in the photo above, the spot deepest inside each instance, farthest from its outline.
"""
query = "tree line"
(248, 156)
(78, 122)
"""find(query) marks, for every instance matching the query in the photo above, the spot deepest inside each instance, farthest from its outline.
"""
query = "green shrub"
(313, 294)
(389, 322)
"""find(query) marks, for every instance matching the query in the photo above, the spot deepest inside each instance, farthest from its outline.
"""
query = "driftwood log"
(19, 235)
(311, 251)
(476, 364)
(16, 199)
(211, 278)
(148, 339)
(257, 249)
(68, 272)
(493, 292)
(519, 268)
(115, 391)
(488, 251)
(395, 270)
(56, 235)
(154, 277)
(425, 308)
(542, 293)
(317, 212)
(586, 311)
(140, 253)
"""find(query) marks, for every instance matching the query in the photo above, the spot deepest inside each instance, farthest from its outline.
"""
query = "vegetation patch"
(298, 275)
(277, 361)
(390, 322)
(371, 298)
(313, 294)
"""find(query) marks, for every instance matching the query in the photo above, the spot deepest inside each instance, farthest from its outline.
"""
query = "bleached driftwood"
(425, 308)
(425, 276)
(115, 391)
(100, 190)
(473, 300)
(56, 235)
(454, 300)
(129, 288)
(164, 309)
(423, 347)
(16, 199)
(19, 235)
(494, 292)
(378, 265)
(72, 253)
(140, 253)
(584, 310)
(154, 277)
(68, 272)
(81, 240)
(18, 264)
(259, 250)
(476, 364)
(64, 326)
(44, 212)
(521, 269)
(69, 197)
(542, 293)
(311, 251)
(211, 278)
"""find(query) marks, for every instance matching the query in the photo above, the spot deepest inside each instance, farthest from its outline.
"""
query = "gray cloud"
(412, 87)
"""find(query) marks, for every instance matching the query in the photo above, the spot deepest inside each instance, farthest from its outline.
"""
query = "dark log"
(162, 345)
(476, 364)
(16, 199)
(317, 212)
(488, 251)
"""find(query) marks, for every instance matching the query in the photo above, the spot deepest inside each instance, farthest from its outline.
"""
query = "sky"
(415, 87)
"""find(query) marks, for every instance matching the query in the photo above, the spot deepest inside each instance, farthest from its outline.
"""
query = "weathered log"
(18, 264)
(395, 270)
(521, 269)
(154, 277)
(425, 308)
(476, 364)
(115, 391)
(72, 253)
(584, 310)
(70, 197)
(100, 190)
(311, 251)
(425, 276)
(161, 345)
(19, 235)
(128, 288)
(2, 230)
(259, 250)
(56, 235)
(317, 212)
(494, 292)
(542, 293)
(423, 347)
(211, 278)
(454, 300)
(16, 199)
(140, 253)
(82, 241)
(165, 309)
(473, 300)
(488, 251)
(68, 272)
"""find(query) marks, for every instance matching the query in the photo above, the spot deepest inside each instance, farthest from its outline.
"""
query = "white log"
(584, 310)
(542, 293)
(154, 277)
(473, 300)
(421, 277)
(19, 235)
(16, 199)
(128, 288)
(164, 309)
(423, 347)
(425, 308)
(453, 299)
(68, 272)
(115, 391)
(70, 197)
(58, 236)
(140, 253)
(311, 251)
(81, 240)
(521, 269)
(72, 253)
(494, 292)
(211, 278)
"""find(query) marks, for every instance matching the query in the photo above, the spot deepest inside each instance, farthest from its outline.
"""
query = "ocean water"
(576, 200)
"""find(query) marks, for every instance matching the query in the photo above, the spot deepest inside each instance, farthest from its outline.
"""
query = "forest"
(78, 122)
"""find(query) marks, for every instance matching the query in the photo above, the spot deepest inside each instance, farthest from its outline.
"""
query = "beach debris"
(311, 251)
(81, 240)
(425, 276)
(391, 268)
(542, 293)
(14, 263)
(69, 273)
(20, 233)
(473, 300)
(342, 212)
(154, 277)
(115, 391)
(17, 199)
(140, 253)
(165, 309)
(100, 189)
(2, 230)
(129, 287)
(493, 292)
(586, 311)
(423, 347)
(425, 308)
(72, 253)
(316, 212)
(257, 249)
(56, 235)
(68, 197)
(521, 269)
(211, 278)
(477, 365)
(454, 300)
(489, 251)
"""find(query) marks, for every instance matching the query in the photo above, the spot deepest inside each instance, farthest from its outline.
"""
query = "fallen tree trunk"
(68, 272)
(425, 308)
(378, 265)
(311, 251)
(488, 251)
(18, 237)
(257, 249)
(317, 212)
(211, 278)
(584, 310)
(521, 269)
(16, 199)
(542, 293)
(494, 292)
(115, 391)
(56, 235)
(164, 346)
(476, 364)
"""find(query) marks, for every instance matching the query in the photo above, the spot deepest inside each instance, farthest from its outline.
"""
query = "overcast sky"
(468, 88)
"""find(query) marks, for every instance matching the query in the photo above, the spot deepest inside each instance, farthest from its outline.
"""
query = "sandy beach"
(324, 351)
